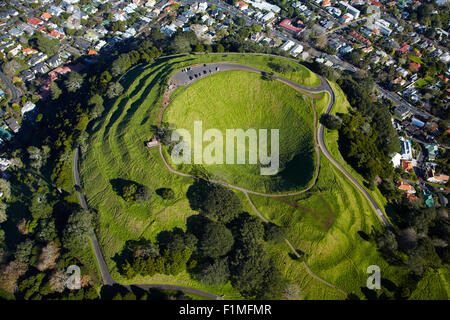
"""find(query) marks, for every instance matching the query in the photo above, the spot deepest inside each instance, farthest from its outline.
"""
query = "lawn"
(242, 100)
(329, 223)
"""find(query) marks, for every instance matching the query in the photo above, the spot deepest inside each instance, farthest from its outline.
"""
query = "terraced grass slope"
(329, 223)
(242, 100)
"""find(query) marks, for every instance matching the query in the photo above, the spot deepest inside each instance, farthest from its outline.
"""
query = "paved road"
(106, 277)
(327, 154)
(15, 92)
(182, 78)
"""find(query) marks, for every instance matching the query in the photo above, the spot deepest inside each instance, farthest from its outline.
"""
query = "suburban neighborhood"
(88, 90)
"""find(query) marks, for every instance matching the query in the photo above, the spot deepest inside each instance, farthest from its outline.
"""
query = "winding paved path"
(182, 78)
(106, 277)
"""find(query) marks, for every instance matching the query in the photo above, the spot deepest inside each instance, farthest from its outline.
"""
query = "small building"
(12, 124)
(287, 45)
(407, 165)
(27, 107)
(406, 152)
(54, 61)
(403, 112)
(406, 187)
(35, 22)
(428, 198)
(417, 122)
(436, 178)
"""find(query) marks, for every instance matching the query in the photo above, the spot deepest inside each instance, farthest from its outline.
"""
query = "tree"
(199, 48)
(44, 44)
(58, 280)
(387, 241)
(181, 43)
(166, 193)
(321, 41)
(3, 216)
(40, 207)
(46, 230)
(274, 233)
(5, 188)
(37, 156)
(121, 65)
(331, 121)
(10, 274)
(115, 89)
(220, 48)
(48, 257)
(74, 82)
(96, 103)
(83, 141)
(219, 203)
(55, 91)
(250, 228)
(77, 231)
(23, 251)
(143, 194)
(216, 273)
(216, 240)
(129, 191)
(254, 275)
(11, 67)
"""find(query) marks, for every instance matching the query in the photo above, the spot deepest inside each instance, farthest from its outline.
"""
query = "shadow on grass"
(364, 235)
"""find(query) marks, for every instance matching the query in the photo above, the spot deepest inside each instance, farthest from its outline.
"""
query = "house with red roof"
(404, 48)
(241, 5)
(407, 165)
(411, 198)
(28, 51)
(377, 4)
(287, 24)
(405, 187)
(56, 34)
(414, 66)
(46, 16)
(35, 22)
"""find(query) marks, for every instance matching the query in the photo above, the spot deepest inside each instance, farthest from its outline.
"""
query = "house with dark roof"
(27, 75)
(12, 124)
(41, 67)
(54, 61)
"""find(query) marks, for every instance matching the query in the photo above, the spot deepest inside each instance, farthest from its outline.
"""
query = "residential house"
(37, 58)
(54, 61)
(15, 32)
(432, 151)
(288, 26)
(27, 107)
(406, 187)
(27, 75)
(436, 178)
(12, 124)
(41, 68)
(287, 45)
(35, 22)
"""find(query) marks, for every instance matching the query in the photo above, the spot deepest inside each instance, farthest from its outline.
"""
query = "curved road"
(182, 78)
(15, 93)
